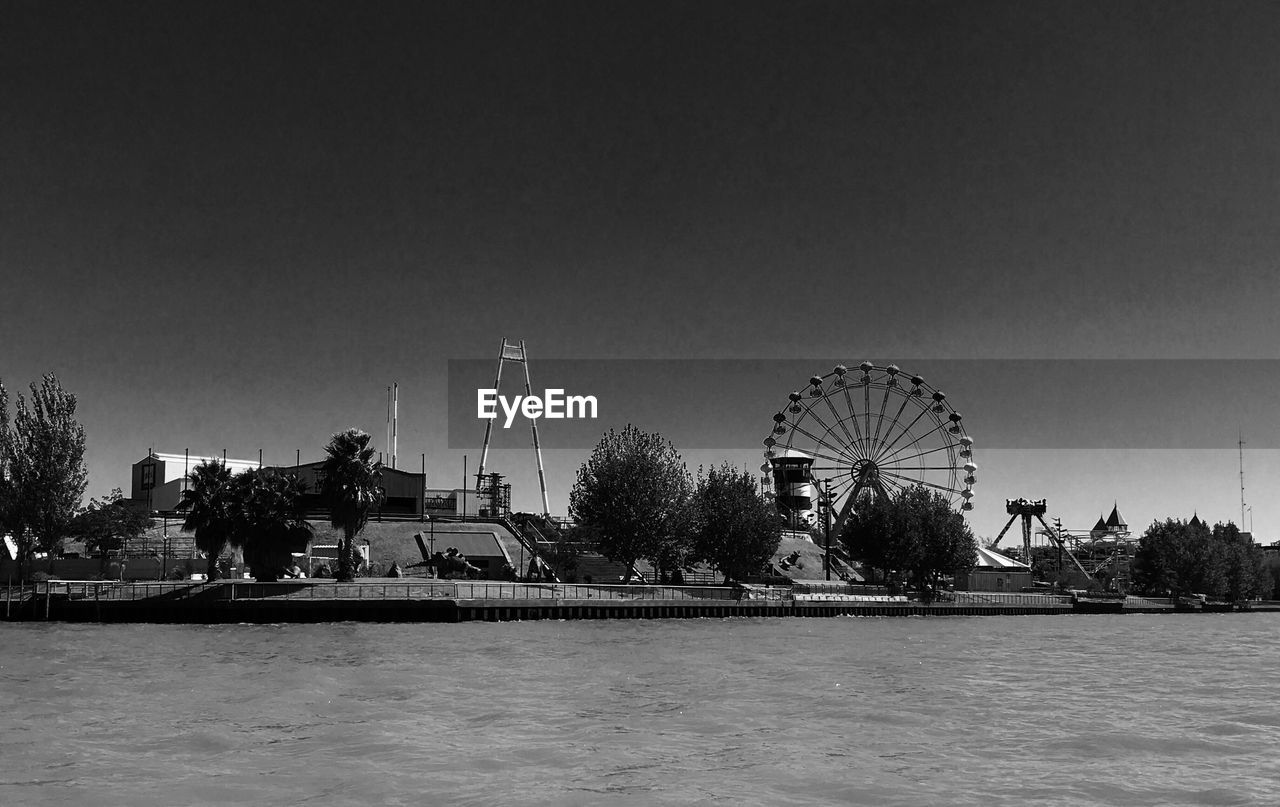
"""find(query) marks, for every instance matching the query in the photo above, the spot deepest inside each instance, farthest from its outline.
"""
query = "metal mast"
(1241, 479)
(515, 353)
(533, 423)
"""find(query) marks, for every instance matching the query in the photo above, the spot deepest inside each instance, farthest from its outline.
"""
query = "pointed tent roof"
(1115, 519)
(990, 559)
(1195, 520)
(1101, 526)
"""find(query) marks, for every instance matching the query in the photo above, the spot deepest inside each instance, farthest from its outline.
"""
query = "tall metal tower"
(393, 423)
(1241, 443)
(515, 353)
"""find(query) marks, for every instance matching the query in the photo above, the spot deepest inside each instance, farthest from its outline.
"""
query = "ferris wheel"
(869, 428)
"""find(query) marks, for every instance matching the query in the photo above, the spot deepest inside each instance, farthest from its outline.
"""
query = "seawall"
(466, 601)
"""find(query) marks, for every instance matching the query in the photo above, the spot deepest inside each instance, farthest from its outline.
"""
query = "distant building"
(995, 572)
(1113, 525)
(159, 479)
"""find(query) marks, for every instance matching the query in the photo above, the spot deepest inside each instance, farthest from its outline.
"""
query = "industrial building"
(159, 479)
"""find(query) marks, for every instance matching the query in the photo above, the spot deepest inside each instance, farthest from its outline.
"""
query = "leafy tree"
(268, 520)
(1244, 573)
(351, 485)
(209, 506)
(1176, 558)
(106, 524)
(734, 529)
(9, 520)
(1271, 575)
(631, 500)
(42, 450)
(914, 532)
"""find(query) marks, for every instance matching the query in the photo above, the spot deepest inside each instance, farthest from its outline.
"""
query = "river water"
(1054, 710)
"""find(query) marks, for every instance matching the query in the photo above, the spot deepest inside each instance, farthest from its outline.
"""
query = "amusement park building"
(159, 479)
(995, 572)
(1112, 524)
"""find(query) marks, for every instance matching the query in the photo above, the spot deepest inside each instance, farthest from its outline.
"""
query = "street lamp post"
(826, 523)
(164, 550)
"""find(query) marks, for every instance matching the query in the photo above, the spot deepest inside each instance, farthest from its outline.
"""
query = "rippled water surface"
(1069, 710)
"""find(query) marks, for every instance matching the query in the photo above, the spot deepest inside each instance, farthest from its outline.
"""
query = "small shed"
(995, 572)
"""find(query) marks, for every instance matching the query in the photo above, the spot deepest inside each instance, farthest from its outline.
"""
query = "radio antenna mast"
(1241, 443)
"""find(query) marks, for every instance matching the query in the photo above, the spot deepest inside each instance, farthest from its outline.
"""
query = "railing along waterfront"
(1003, 598)
(490, 590)
(104, 590)
(419, 589)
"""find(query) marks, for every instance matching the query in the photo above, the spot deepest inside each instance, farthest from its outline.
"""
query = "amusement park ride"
(1107, 549)
(879, 430)
(489, 487)
(870, 428)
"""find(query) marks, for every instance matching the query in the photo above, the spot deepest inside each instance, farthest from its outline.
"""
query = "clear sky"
(232, 225)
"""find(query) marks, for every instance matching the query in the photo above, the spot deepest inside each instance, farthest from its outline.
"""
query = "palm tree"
(351, 485)
(269, 521)
(207, 501)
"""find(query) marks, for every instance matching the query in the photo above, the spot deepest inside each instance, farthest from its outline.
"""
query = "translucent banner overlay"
(1003, 404)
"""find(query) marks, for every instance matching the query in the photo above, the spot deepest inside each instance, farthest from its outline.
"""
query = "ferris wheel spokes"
(938, 428)
(897, 415)
(839, 420)
(848, 398)
(884, 404)
(890, 444)
(920, 454)
(911, 481)
(842, 458)
(827, 430)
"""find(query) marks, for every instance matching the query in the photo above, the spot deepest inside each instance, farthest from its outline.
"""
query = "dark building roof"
(1115, 519)
(1195, 520)
(1101, 526)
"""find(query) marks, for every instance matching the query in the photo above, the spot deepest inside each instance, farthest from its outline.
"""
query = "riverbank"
(399, 600)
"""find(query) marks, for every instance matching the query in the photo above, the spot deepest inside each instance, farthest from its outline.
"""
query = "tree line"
(1176, 558)
(634, 499)
(260, 511)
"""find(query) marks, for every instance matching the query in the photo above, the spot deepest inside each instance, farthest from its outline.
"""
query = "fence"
(1011, 598)
(110, 590)
(416, 588)
(490, 590)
